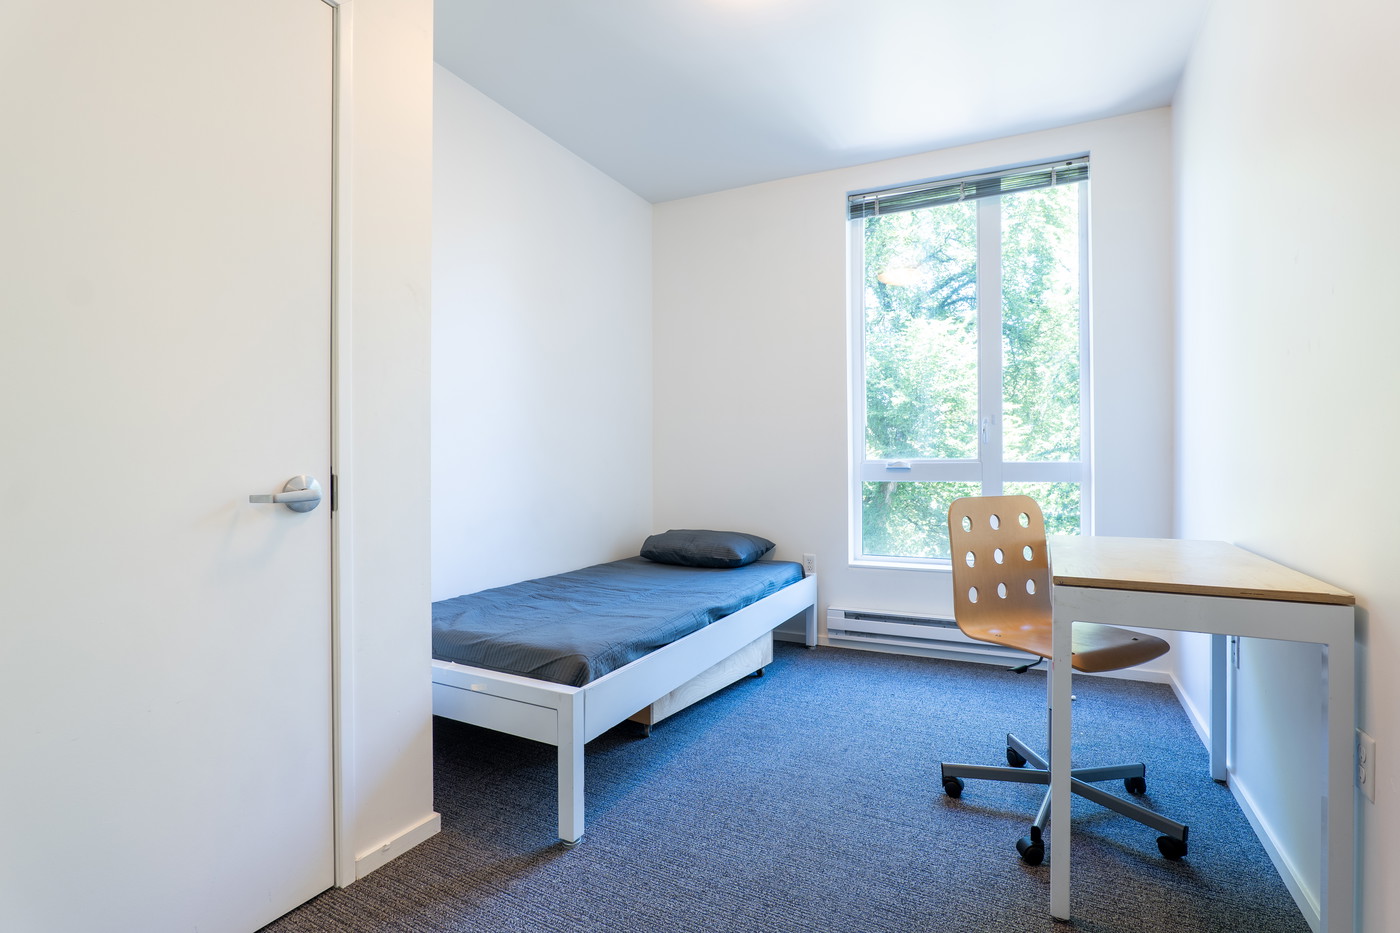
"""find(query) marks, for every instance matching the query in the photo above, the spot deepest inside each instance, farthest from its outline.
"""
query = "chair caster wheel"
(1136, 786)
(953, 787)
(1014, 758)
(1173, 849)
(1031, 847)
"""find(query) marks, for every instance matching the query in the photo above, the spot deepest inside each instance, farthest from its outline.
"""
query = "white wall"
(751, 351)
(388, 765)
(542, 399)
(1288, 385)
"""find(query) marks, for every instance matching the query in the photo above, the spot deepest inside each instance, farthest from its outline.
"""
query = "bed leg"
(571, 773)
(759, 672)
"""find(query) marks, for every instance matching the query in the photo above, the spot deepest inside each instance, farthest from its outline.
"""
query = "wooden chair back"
(1001, 571)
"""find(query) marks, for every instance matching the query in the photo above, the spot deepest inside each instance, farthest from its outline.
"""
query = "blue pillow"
(694, 548)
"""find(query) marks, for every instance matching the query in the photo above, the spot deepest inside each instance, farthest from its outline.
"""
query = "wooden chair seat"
(1097, 647)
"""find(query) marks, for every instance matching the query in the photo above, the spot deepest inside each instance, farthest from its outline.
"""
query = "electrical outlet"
(1366, 765)
(809, 564)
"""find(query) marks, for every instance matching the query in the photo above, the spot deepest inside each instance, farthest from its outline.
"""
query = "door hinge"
(335, 499)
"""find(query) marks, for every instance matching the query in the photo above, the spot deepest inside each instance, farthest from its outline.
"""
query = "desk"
(1220, 589)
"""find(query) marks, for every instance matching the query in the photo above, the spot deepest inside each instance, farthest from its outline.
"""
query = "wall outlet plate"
(809, 564)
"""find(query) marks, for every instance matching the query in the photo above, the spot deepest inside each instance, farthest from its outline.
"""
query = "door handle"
(300, 494)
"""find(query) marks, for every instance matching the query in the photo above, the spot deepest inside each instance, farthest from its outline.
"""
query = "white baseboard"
(1307, 900)
(392, 848)
(1309, 904)
(1200, 721)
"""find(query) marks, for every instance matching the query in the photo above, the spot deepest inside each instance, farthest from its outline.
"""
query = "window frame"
(989, 469)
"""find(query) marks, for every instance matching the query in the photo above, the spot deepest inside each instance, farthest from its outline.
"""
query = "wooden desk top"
(1167, 565)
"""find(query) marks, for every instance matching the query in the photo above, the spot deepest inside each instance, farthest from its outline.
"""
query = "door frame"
(347, 801)
(342, 447)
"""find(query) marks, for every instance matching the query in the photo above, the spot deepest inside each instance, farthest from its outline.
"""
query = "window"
(970, 353)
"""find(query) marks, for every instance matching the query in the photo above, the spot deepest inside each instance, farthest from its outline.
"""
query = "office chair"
(1001, 594)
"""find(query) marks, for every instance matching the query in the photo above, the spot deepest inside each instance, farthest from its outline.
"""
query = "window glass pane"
(909, 519)
(1040, 324)
(1059, 502)
(921, 334)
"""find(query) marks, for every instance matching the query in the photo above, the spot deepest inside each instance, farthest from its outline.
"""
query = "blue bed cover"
(575, 627)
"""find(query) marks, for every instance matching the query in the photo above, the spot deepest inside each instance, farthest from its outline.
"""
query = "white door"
(165, 654)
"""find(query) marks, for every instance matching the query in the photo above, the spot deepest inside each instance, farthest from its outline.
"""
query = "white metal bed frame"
(568, 717)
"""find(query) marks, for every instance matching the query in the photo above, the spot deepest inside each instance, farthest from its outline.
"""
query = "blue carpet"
(809, 800)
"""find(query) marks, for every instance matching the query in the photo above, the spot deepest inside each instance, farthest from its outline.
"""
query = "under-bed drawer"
(752, 657)
(540, 723)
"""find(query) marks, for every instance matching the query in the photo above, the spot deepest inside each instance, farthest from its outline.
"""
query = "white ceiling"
(674, 98)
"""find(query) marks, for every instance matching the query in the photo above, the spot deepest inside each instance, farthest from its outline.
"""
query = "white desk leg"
(571, 769)
(1219, 661)
(1062, 646)
(1338, 780)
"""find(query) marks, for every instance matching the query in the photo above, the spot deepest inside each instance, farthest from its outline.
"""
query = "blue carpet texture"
(809, 800)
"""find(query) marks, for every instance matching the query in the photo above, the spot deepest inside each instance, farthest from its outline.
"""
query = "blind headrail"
(967, 187)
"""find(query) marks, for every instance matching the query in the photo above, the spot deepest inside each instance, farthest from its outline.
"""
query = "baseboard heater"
(894, 631)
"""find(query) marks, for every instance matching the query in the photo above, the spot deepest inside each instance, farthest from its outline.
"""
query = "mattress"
(575, 627)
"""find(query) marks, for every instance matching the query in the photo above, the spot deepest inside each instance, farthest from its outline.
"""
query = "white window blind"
(967, 188)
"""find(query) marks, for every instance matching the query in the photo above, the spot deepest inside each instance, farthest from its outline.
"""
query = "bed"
(562, 659)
